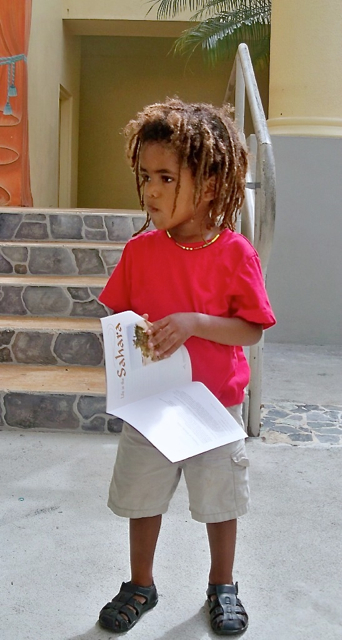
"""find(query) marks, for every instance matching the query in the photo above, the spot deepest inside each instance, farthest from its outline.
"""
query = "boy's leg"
(143, 483)
(144, 534)
(140, 593)
(222, 539)
(227, 613)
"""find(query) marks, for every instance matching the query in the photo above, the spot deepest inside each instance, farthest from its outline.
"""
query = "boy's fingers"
(157, 335)
(149, 324)
(168, 346)
(169, 352)
(161, 324)
(162, 338)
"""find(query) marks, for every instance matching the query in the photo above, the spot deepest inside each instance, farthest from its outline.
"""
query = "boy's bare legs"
(222, 539)
(144, 534)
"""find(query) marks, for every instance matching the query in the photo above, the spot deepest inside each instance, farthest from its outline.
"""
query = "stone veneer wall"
(55, 411)
(64, 301)
(83, 348)
(77, 225)
(33, 260)
(54, 264)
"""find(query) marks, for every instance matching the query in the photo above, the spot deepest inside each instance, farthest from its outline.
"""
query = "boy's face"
(159, 172)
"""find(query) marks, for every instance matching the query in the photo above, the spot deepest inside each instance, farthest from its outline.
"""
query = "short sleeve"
(115, 295)
(249, 299)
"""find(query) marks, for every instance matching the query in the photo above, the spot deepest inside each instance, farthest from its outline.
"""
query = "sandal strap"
(124, 610)
(227, 613)
(129, 589)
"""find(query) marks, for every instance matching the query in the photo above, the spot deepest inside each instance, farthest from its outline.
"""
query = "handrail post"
(243, 79)
(240, 92)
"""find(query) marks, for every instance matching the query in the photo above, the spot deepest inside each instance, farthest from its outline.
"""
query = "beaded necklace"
(202, 246)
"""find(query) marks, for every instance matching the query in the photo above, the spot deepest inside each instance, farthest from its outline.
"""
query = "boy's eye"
(144, 177)
(167, 179)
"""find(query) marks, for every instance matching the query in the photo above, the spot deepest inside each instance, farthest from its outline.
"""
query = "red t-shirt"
(157, 277)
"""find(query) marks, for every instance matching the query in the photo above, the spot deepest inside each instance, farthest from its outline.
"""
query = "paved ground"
(63, 554)
(302, 394)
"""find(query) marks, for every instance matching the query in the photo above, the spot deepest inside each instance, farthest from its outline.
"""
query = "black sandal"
(124, 611)
(228, 616)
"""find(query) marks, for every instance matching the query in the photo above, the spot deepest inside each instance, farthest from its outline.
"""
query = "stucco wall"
(305, 271)
(113, 10)
(53, 60)
(305, 74)
(120, 76)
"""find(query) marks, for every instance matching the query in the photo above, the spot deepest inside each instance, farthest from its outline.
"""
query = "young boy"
(200, 284)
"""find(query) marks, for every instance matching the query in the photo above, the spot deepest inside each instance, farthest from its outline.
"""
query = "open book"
(180, 417)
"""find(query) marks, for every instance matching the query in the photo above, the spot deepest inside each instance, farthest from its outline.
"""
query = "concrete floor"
(298, 373)
(63, 554)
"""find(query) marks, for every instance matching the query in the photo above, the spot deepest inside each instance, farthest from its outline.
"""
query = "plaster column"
(306, 68)
(305, 123)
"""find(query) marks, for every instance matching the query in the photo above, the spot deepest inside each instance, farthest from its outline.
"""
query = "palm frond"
(261, 8)
(222, 26)
(219, 37)
(170, 8)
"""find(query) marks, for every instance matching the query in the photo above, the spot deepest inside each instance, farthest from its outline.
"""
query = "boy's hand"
(169, 333)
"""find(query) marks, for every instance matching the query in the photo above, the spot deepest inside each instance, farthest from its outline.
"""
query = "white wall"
(305, 272)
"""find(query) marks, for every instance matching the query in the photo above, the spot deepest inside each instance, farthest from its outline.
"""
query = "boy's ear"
(209, 189)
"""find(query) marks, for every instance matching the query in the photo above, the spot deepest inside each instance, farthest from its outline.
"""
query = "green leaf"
(222, 26)
(219, 39)
(170, 8)
(259, 8)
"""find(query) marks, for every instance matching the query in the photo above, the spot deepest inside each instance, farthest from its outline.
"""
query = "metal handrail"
(242, 82)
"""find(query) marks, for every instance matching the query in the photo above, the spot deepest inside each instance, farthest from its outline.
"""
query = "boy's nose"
(151, 190)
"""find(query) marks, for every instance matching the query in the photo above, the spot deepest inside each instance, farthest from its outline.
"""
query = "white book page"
(183, 422)
(130, 375)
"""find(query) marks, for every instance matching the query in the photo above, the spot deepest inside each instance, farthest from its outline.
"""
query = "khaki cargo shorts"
(144, 481)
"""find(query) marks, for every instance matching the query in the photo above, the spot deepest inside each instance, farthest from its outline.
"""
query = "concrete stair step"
(72, 224)
(59, 258)
(53, 266)
(51, 341)
(55, 398)
(52, 296)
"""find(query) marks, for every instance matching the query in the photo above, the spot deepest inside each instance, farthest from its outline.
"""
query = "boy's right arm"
(169, 333)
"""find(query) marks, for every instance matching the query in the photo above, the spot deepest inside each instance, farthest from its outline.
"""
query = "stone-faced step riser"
(77, 225)
(65, 261)
(51, 411)
(83, 348)
(59, 300)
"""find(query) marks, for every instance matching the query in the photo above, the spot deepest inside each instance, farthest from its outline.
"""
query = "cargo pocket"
(240, 464)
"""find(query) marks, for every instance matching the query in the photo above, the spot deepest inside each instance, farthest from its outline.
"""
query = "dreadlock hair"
(205, 139)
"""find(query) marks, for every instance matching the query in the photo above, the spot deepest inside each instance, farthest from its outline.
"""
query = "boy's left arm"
(169, 333)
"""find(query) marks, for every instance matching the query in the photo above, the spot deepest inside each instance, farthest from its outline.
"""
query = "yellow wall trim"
(113, 10)
(145, 28)
(310, 126)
